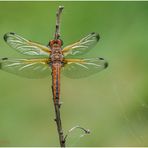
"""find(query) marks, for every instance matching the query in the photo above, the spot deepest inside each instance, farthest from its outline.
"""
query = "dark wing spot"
(1, 61)
(101, 58)
(93, 33)
(12, 33)
(97, 35)
(105, 64)
(6, 35)
(5, 58)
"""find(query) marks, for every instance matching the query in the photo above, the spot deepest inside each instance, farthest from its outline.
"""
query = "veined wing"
(82, 46)
(79, 68)
(30, 68)
(25, 46)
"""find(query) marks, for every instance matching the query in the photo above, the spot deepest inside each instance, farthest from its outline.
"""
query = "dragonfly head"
(56, 43)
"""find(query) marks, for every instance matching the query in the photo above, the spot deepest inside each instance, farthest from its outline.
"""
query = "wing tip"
(5, 58)
(6, 35)
(2, 60)
(105, 63)
(97, 35)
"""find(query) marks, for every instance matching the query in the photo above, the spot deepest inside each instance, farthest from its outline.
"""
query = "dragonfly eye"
(60, 42)
(56, 43)
(51, 43)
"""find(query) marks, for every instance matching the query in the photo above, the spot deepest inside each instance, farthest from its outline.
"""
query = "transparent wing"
(79, 68)
(25, 46)
(82, 46)
(30, 68)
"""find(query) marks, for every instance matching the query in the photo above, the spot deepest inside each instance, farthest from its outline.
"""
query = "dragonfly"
(52, 59)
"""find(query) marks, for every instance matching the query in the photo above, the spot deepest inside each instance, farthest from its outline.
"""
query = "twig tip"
(61, 7)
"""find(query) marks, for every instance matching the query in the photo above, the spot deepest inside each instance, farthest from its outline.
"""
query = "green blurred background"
(113, 104)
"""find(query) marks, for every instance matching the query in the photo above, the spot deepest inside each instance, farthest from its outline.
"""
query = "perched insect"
(52, 59)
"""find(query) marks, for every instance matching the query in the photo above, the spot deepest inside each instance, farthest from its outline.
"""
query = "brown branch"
(62, 138)
(56, 102)
(58, 122)
(57, 31)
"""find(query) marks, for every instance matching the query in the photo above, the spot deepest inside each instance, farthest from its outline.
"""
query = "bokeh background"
(113, 104)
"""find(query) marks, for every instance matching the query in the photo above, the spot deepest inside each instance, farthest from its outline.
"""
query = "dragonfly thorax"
(56, 54)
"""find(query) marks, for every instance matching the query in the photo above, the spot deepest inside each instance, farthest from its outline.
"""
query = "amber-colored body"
(56, 57)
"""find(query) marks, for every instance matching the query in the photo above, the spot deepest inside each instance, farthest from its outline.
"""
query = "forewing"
(30, 68)
(25, 46)
(79, 68)
(82, 46)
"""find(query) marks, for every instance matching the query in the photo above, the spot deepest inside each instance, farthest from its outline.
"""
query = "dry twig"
(57, 104)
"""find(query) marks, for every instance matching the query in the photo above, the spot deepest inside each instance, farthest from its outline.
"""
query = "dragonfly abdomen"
(56, 66)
